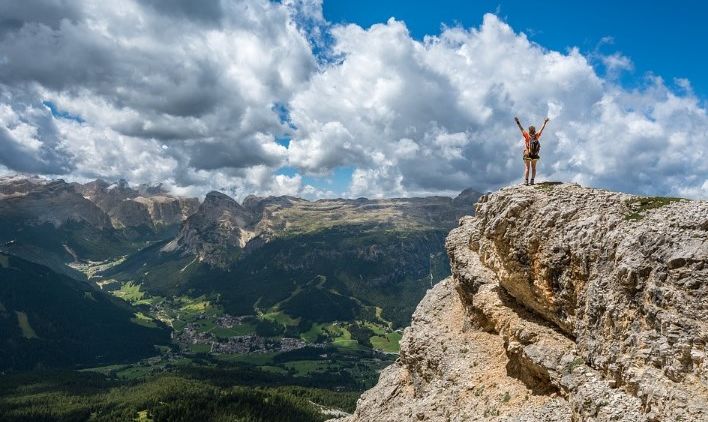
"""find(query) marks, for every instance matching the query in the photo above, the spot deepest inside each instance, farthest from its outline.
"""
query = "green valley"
(281, 308)
(49, 320)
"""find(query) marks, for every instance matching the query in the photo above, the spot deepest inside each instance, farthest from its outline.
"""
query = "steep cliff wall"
(565, 303)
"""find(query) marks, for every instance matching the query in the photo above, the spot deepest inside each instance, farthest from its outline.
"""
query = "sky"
(347, 99)
(662, 37)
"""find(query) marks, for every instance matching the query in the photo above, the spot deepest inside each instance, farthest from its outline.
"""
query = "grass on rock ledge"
(638, 206)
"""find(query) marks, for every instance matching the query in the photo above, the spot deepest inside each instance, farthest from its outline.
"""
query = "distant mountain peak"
(466, 196)
(216, 204)
(145, 206)
(216, 196)
(150, 190)
(222, 228)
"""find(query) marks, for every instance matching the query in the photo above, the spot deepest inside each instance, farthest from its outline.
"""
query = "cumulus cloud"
(14, 14)
(617, 62)
(207, 11)
(436, 115)
(196, 95)
(200, 79)
(29, 138)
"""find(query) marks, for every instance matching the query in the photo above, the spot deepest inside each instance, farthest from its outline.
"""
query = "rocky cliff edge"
(565, 304)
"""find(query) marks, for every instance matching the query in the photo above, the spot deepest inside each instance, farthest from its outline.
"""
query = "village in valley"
(250, 343)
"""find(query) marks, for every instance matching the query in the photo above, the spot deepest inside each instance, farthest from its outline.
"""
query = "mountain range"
(298, 265)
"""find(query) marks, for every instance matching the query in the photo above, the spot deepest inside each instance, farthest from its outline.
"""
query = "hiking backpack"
(534, 147)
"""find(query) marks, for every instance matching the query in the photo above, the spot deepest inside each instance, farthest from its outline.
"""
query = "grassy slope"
(364, 267)
(48, 319)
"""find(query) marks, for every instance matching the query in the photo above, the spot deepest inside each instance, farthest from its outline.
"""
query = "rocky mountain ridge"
(98, 203)
(221, 229)
(565, 303)
(53, 223)
(39, 201)
(145, 206)
(258, 253)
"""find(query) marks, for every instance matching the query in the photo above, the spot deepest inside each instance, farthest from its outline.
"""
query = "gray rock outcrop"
(217, 232)
(147, 206)
(37, 201)
(221, 230)
(565, 303)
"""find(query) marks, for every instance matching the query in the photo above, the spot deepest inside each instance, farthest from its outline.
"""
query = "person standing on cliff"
(532, 148)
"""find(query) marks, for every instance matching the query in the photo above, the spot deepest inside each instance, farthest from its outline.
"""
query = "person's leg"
(533, 170)
(526, 171)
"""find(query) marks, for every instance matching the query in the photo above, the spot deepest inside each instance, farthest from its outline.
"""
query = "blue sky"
(668, 38)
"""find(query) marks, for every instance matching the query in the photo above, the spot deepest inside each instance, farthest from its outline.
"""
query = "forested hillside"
(48, 320)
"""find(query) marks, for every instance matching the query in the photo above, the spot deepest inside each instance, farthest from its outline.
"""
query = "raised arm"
(543, 127)
(518, 123)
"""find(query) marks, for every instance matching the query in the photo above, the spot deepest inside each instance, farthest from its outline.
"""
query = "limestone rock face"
(222, 229)
(105, 195)
(167, 210)
(36, 201)
(147, 206)
(217, 232)
(565, 303)
(129, 213)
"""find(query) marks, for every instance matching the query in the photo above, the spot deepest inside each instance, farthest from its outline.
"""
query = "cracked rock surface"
(565, 304)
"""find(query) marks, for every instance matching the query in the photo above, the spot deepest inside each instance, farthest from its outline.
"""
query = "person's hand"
(547, 120)
(516, 118)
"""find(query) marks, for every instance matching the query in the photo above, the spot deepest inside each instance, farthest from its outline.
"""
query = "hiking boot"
(526, 182)
(532, 181)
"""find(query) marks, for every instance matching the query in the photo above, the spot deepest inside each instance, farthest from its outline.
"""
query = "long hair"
(532, 131)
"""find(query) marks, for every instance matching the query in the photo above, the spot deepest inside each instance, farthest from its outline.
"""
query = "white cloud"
(185, 96)
(29, 138)
(616, 62)
(437, 115)
(201, 80)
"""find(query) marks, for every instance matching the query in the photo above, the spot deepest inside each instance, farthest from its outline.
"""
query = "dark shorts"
(528, 157)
